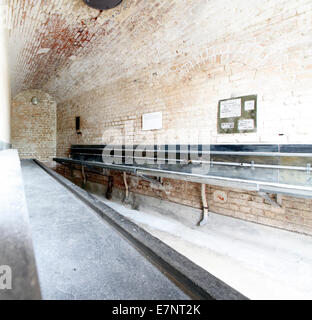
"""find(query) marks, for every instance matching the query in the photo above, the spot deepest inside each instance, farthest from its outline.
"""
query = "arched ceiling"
(66, 48)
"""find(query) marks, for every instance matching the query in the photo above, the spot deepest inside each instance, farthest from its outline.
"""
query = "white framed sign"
(246, 124)
(152, 121)
(227, 125)
(249, 105)
(231, 108)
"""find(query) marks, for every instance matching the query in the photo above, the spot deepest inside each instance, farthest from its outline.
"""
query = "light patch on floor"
(259, 261)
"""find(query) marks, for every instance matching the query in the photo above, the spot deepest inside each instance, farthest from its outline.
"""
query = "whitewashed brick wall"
(179, 57)
(34, 126)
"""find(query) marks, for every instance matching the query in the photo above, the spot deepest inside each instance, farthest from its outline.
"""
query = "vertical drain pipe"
(205, 218)
(83, 175)
(126, 185)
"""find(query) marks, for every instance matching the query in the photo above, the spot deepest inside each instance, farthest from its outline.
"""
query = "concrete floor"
(260, 262)
(78, 255)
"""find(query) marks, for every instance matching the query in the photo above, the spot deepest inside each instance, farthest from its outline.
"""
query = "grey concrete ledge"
(16, 249)
(197, 282)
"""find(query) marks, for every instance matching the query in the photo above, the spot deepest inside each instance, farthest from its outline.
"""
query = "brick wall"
(34, 126)
(293, 215)
(261, 48)
(182, 64)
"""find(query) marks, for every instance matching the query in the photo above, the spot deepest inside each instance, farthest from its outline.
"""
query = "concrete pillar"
(5, 95)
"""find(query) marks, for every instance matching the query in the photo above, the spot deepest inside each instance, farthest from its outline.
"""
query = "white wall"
(5, 127)
(202, 52)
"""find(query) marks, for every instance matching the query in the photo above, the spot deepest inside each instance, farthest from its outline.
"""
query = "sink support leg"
(205, 218)
(126, 185)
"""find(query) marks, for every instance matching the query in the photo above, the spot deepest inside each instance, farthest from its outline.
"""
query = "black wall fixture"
(78, 125)
(102, 4)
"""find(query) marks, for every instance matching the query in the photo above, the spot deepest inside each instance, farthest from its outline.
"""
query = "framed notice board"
(238, 115)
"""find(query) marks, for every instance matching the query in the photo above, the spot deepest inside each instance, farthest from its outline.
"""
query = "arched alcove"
(33, 126)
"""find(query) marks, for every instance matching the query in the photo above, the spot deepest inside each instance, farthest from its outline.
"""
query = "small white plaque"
(152, 121)
(247, 124)
(231, 108)
(227, 125)
(249, 105)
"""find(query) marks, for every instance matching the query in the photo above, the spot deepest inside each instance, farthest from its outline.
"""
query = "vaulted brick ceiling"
(65, 48)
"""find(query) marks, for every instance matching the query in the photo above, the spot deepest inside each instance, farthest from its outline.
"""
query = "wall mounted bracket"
(158, 182)
(267, 198)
